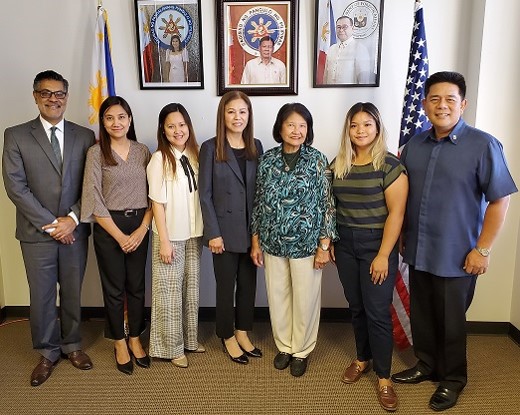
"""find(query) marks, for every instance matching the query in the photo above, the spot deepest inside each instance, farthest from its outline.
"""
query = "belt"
(127, 213)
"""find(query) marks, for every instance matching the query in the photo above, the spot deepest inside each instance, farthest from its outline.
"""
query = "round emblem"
(365, 17)
(171, 20)
(256, 23)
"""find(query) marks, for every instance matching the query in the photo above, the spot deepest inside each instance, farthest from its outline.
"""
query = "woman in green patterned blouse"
(293, 225)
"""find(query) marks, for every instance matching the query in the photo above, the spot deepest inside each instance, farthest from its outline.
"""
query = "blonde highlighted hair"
(347, 155)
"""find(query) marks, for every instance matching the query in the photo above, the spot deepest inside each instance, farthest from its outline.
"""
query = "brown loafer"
(387, 398)
(354, 372)
(80, 360)
(42, 371)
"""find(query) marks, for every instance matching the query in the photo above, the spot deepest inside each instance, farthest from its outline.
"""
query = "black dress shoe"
(42, 371)
(127, 368)
(141, 361)
(282, 360)
(242, 359)
(298, 366)
(412, 375)
(443, 398)
(256, 352)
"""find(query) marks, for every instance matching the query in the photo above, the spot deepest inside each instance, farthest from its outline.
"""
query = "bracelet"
(146, 226)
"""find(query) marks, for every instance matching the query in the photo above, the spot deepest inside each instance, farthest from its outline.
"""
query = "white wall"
(496, 111)
(61, 39)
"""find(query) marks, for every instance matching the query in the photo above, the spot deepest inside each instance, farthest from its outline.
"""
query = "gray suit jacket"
(34, 182)
(225, 198)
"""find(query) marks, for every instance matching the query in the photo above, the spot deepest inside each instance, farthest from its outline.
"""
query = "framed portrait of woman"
(257, 46)
(347, 43)
(169, 44)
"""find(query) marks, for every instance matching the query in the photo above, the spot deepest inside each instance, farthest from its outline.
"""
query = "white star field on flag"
(414, 119)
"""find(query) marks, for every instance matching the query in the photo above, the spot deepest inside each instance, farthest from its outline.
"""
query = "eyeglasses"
(344, 27)
(45, 93)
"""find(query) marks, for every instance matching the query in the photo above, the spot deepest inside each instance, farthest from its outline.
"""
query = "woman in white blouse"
(176, 239)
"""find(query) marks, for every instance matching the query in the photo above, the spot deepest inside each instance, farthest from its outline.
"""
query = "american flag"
(414, 121)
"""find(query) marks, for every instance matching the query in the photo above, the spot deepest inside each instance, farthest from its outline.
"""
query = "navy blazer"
(35, 184)
(225, 198)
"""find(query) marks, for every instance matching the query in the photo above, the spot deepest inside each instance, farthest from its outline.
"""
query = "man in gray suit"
(42, 168)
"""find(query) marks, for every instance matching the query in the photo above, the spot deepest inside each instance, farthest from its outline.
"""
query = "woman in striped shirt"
(371, 187)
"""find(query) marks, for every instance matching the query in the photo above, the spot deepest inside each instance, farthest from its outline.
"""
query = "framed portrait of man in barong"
(347, 43)
(257, 46)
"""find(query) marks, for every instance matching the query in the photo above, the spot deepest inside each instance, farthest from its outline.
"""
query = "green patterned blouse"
(293, 209)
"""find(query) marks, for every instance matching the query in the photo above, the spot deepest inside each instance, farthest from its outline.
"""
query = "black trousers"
(438, 320)
(369, 303)
(122, 275)
(235, 276)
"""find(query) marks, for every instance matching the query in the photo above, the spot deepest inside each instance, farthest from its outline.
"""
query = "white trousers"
(294, 295)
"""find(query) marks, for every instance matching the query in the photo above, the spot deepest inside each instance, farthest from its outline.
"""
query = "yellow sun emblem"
(96, 97)
(172, 27)
(325, 31)
(260, 30)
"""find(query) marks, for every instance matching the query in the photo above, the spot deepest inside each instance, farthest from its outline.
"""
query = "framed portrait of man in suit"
(347, 43)
(257, 46)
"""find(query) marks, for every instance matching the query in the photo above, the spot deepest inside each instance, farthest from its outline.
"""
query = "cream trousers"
(294, 295)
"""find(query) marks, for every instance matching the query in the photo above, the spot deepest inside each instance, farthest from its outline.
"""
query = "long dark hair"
(247, 134)
(164, 146)
(180, 43)
(104, 137)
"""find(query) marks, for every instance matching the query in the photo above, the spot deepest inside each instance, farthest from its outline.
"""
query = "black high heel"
(127, 368)
(141, 361)
(242, 359)
(256, 352)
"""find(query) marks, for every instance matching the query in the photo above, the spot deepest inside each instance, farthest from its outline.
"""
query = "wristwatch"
(324, 247)
(483, 251)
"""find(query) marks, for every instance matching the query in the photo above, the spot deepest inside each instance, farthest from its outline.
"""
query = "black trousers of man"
(438, 308)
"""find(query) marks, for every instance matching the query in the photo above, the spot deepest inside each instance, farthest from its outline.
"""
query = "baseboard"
(485, 327)
(334, 315)
(208, 314)
(514, 333)
(16, 312)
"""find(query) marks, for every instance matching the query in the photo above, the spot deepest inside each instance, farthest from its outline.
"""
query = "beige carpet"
(212, 384)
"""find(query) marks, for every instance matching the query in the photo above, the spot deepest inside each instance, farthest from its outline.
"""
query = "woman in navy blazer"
(227, 186)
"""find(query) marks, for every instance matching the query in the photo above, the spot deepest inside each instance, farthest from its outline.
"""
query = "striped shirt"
(360, 197)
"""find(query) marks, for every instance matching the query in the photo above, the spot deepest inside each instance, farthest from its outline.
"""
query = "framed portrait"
(347, 43)
(257, 46)
(169, 44)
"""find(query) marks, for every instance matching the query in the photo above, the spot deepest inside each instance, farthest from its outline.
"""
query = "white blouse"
(182, 207)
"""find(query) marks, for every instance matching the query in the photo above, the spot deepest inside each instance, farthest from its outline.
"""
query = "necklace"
(290, 160)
